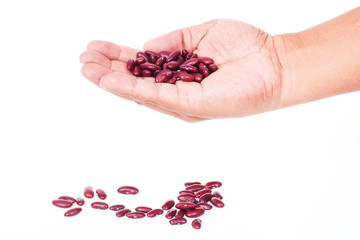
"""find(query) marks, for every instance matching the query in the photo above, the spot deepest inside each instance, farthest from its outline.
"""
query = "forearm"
(322, 61)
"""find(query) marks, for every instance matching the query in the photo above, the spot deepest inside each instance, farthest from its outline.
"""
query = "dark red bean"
(164, 53)
(202, 192)
(173, 65)
(206, 60)
(149, 66)
(184, 53)
(140, 60)
(185, 205)
(189, 55)
(72, 212)
(146, 73)
(155, 73)
(143, 55)
(180, 61)
(205, 198)
(137, 71)
(173, 56)
(198, 77)
(101, 194)
(194, 56)
(99, 205)
(135, 215)
(178, 221)
(165, 66)
(61, 203)
(128, 190)
(213, 184)
(180, 214)
(185, 77)
(168, 204)
(212, 67)
(188, 68)
(154, 213)
(204, 70)
(130, 65)
(153, 59)
(217, 202)
(192, 61)
(149, 53)
(195, 187)
(186, 191)
(143, 209)
(160, 61)
(196, 223)
(89, 192)
(194, 213)
(187, 184)
(172, 80)
(171, 213)
(71, 199)
(123, 212)
(205, 206)
(186, 197)
(218, 195)
(163, 76)
(116, 207)
(80, 201)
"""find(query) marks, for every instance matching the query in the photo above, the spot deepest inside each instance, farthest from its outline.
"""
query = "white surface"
(288, 174)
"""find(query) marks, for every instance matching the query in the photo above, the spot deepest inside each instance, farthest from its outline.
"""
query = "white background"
(287, 174)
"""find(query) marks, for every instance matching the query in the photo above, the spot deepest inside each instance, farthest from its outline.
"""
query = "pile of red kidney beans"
(169, 67)
(192, 202)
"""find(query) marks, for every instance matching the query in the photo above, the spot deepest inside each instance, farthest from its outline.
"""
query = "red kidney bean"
(164, 53)
(180, 214)
(123, 212)
(130, 65)
(140, 60)
(184, 53)
(194, 213)
(189, 55)
(195, 187)
(72, 212)
(185, 77)
(154, 213)
(168, 204)
(128, 190)
(89, 192)
(116, 207)
(204, 70)
(135, 215)
(99, 205)
(178, 221)
(202, 192)
(212, 67)
(149, 66)
(171, 213)
(71, 199)
(143, 209)
(173, 56)
(80, 201)
(205, 206)
(186, 191)
(196, 224)
(61, 203)
(192, 62)
(186, 197)
(187, 184)
(160, 61)
(146, 73)
(198, 77)
(185, 205)
(188, 68)
(194, 56)
(213, 184)
(153, 59)
(217, 202)
(143, 55)
(137, 71)
(163, 75)
(149, 53)
(173, 65)
(218, 195)
(171, 80)
(180, 61)
(101, 194)
(205, 198)
(206, 60)
(165, 66)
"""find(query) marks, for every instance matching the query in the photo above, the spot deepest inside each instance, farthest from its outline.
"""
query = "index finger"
(112, 51)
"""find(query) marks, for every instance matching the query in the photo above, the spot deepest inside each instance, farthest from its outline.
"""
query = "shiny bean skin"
(192, 61)
(154, 213)
(171, 214)
(149, 66)
(188, 184)
(198, 77)
(89, 192)
(184, 53)
(172, 65)
(80, 201)
(194, 56)
(185, 77)
(164, 53)
(206, 60)
(196, 223)
(168, 205)
(205, 206)
(202, 192)
(180, 214)
(146, 73)
(101, 194)
(71, 199)
(213, 184)
(180, 61)
(61, 203)
(130, 65)
(143, 209)
(160, 61)
(185, 205)
(205, 198)
(204, 70)
(217, 202)
(137, 71)
(163, 76)
(122, 212)
(155, 73)
(188, 68)
(194, 213)
(140, 60)
(195, 187)
(72, 212)
(218, 195)
(149, 53)
(173, 56)
(128, 190)
(212, 67)
(153, 59)
(189, 55)
(186, 197)
(178, 221)
(172, 80)
(143, 55)
(135, 215)
(99, 205)
(117, 207)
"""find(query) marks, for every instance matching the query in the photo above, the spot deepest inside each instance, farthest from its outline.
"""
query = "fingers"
(95, 57)
(112, 51)
(94, 72)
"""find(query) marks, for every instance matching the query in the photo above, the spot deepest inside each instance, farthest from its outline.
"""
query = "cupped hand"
(248, 81)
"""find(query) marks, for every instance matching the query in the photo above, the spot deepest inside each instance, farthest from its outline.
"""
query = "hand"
(248, 81)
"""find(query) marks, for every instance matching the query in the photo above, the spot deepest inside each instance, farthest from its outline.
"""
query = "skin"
(257, 72)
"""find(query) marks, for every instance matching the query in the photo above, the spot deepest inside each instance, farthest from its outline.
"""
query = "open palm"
(248, 80)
